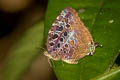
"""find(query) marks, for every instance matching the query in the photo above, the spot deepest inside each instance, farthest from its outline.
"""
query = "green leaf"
(102, 19)
(24, 52)
(112, 75)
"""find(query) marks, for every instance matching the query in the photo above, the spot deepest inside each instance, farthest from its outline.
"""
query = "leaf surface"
(112, 75)
(102, 19)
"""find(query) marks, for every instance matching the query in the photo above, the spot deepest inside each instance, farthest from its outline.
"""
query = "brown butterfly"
(68, 38)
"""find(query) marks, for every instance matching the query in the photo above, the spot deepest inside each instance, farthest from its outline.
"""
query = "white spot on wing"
(71, 35)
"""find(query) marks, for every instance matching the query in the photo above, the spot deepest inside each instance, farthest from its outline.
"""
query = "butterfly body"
(68, 39)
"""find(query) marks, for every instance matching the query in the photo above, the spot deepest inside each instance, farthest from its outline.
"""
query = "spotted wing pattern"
(68, 39)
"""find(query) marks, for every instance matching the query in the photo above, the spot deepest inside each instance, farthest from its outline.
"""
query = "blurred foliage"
(27, 48)
(102, 19)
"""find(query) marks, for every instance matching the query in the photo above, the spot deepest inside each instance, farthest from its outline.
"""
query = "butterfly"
(68, 38)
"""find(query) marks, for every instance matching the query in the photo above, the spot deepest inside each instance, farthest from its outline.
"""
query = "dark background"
(16, 16)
